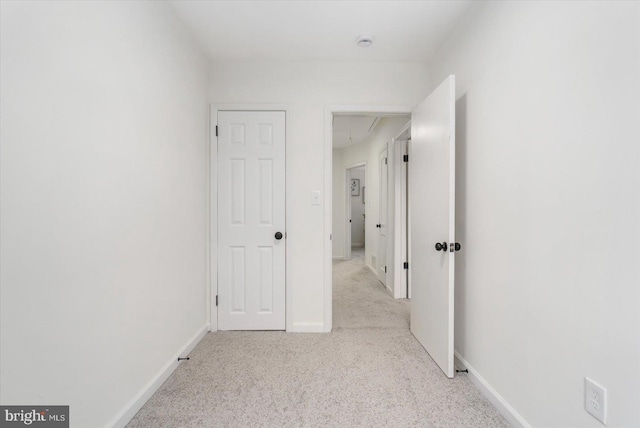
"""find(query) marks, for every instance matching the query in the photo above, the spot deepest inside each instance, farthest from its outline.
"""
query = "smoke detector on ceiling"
(364, 41)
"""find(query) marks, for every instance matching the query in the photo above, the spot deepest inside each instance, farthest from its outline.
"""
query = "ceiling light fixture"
(364, 41)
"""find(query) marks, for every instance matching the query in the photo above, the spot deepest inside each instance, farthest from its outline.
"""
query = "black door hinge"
(385, 161)
(216, 300)
(406, 265)
(216, 130)
(385, 269)
(405, 158)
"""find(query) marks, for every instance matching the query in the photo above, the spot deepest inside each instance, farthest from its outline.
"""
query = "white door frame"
(347, 183)
(389, 232)
(328, 194)
(400, 224)
(212, 247)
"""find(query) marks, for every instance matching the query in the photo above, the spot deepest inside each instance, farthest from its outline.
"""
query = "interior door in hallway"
(251, 220)
(383, 224)
(432, 223)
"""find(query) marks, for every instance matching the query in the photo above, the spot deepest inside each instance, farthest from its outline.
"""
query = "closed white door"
(432, 223)
(383, 225)
(251, 220)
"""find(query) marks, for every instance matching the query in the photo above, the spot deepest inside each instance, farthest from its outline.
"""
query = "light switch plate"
(315, 197)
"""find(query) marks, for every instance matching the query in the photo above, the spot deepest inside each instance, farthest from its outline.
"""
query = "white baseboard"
(129, 411)
(309, 327)
(388, 290)
(372, 269)
(510, 414)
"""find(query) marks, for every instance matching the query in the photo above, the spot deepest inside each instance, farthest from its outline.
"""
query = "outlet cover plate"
(595, 400)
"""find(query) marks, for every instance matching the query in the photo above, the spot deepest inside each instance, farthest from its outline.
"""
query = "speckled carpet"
(369, 372)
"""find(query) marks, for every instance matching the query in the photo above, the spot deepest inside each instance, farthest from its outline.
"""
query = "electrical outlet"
(595, 400)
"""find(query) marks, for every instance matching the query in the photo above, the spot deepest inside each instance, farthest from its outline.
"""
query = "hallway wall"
(338, 194)
(103, 202)
(548, 181)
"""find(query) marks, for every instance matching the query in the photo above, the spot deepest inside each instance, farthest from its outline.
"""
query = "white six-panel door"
(432, 221)
(251, 212)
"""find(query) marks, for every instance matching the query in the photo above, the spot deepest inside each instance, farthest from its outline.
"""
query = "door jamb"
(212, 192)
(389, 272)
(329, 111)
(400, 236)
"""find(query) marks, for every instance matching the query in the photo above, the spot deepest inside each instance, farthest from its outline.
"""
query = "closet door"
(251, 220)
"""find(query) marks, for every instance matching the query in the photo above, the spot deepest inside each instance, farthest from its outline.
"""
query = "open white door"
(383, 225)
(432, 223)
(251, 220)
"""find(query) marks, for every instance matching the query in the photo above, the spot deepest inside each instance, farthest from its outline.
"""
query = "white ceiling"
(269, 30)
(350, 129)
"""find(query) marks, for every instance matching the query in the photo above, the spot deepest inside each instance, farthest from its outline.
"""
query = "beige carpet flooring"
(369, 372)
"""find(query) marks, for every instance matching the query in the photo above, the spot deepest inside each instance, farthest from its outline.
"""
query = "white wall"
(548, 202)
(103, 201)
(358, 210)
(338, 231)
(308, 87)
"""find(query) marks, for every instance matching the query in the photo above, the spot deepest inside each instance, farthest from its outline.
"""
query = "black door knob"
(278, 236)
(441, 246)
(378, 226)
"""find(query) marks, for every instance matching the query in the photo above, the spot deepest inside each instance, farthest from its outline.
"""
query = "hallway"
(369, 371)
(360, 300)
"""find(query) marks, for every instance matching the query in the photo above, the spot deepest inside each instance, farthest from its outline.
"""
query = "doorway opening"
(365, 188)
(355, 213)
